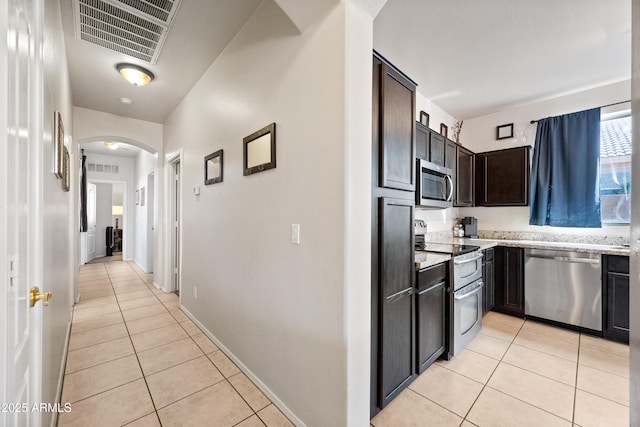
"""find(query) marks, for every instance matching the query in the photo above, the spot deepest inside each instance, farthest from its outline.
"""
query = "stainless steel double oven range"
(465, 292)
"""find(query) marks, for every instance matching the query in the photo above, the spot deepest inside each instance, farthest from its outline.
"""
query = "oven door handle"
(474, 291)
(464, 261)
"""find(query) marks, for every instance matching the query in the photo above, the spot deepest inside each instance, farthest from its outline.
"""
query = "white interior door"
(91, 220)
(175, 215)
(150, 221)
(21, 172)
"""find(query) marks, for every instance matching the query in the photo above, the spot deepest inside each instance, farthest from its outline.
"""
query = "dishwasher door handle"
(578, 260)
(567, 259)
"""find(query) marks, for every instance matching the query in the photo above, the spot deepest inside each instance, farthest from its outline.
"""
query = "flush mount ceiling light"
(134, 74)
(111, 145)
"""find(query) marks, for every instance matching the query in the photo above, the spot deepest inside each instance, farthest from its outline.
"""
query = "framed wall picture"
(213, 168)
(58, 144)
(66, 173)
(424, 118)
(504, 131)
(259, 150)
(444, 130)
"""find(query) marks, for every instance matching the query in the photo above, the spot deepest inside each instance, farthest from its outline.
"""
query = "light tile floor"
(135, 359)
(520, 373)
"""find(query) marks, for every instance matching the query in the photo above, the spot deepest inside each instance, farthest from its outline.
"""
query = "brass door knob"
(35, 295)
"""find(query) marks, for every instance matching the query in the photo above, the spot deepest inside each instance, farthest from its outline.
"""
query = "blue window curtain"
(565, 172)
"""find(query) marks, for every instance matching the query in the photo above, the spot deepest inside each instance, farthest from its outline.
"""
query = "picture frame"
(213, 167)
(444, 130)
(66, 173)
(58, 144)
(142, 196)
(137, 197)
(504, 131)
(424, 118)
(259, 150)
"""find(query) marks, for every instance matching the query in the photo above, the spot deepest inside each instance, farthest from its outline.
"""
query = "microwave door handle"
(449, 198)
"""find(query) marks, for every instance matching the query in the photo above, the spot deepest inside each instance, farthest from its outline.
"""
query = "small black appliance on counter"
(470, 225)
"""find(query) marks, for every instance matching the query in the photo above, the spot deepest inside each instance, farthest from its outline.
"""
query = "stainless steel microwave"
(434, 187)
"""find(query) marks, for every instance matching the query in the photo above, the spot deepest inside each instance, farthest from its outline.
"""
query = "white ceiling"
(469, 57)
(98, 147)
(477, 57)
(200, 31)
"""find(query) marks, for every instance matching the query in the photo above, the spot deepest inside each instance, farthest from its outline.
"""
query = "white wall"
(141, 133)
(478, 135)
(436, 114)
(295, 316)
(125, 176)
(60, 222)
(103, 216)
(145, 163)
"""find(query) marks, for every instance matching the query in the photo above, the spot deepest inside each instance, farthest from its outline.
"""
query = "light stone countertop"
(562, 246)
(429, 259)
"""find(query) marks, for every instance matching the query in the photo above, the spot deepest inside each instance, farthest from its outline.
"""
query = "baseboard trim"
(63, 367)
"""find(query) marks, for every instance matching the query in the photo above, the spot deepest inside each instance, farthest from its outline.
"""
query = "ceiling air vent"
(135, 28)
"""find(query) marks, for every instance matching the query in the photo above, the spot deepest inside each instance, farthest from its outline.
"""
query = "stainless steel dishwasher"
(563, 286)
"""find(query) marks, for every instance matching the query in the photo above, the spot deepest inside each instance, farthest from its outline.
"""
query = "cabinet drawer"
(431, 276)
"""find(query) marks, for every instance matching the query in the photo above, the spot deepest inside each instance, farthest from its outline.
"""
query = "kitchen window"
(615, 169)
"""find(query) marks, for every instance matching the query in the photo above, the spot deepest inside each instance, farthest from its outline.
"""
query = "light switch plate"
(295, 234)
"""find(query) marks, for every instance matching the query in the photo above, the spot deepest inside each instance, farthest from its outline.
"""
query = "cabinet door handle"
(424, 291)
(393, 298)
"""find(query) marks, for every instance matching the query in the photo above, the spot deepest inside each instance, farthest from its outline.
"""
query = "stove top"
(446, 248)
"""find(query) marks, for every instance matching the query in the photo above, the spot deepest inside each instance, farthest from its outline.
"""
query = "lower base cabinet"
(509, 280)
(431, 314)
(431, 324)
(488, 273)
(615, 282)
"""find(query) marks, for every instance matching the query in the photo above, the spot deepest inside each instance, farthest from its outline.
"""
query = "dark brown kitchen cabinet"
(464, 177)
(392, 248)
(615, 303)
(397, 271)
(437, 149)
(502, 177)
(430, 145)
(509, 280)
(451, 158)
(488, 269)
(397, 130)
(423, 139)
(431, 285)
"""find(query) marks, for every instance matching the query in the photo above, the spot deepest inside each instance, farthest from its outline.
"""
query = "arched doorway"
(123, 218)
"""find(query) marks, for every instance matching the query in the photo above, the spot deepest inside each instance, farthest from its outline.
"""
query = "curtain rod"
(603, 106)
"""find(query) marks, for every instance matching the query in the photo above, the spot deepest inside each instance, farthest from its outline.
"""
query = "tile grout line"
(492, 373)
(144, 377)
(575, 387)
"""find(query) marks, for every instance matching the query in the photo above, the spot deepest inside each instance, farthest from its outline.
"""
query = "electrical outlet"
(295, 234)
(195, 293)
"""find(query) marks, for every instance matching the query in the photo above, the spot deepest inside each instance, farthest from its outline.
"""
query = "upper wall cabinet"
(430, 145)
(502, 177)
(464, 177)
(397, 130)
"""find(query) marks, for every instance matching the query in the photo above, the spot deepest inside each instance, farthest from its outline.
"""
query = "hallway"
(136, 359)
